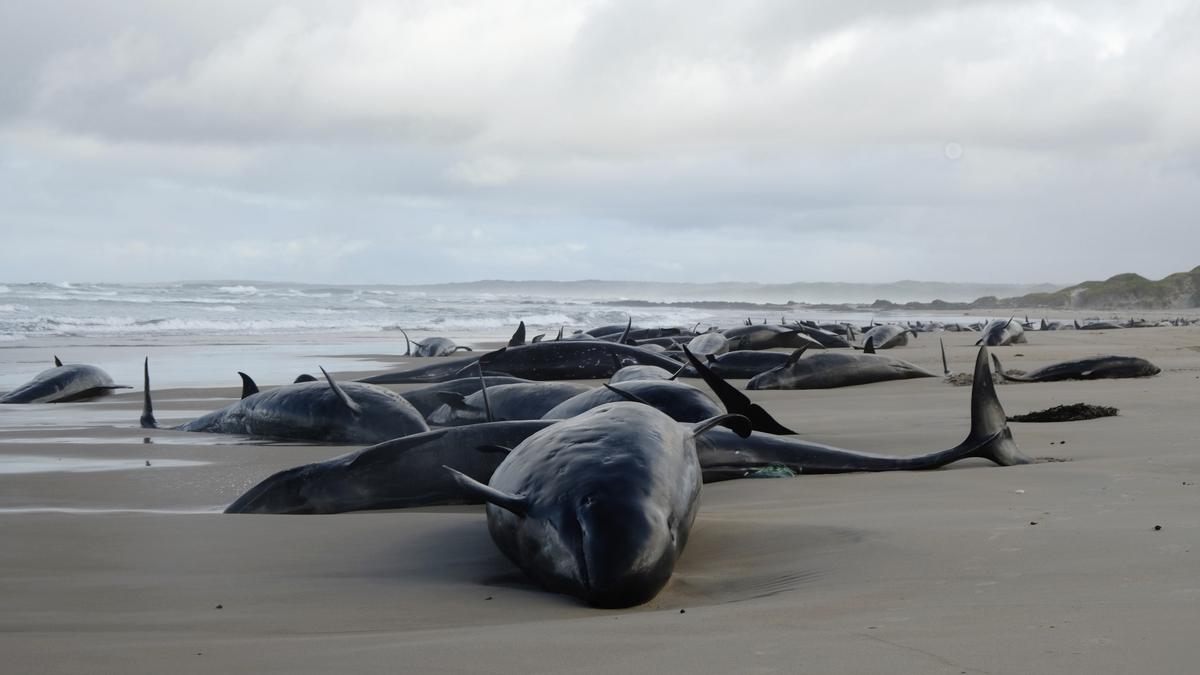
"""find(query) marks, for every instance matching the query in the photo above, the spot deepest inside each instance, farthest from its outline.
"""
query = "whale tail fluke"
(148, 421)
(990, 434)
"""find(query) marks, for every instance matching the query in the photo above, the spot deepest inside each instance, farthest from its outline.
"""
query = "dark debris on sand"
(1066, 413)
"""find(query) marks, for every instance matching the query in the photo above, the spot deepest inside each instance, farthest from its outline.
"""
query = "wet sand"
(1050, 568)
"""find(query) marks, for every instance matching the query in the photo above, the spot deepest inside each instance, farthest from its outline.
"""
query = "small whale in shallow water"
(351, 412)
(73, 382)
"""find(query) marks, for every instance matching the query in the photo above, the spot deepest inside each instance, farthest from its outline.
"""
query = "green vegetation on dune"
(1123, 291)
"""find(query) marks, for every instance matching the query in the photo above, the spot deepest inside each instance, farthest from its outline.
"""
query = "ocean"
(257, 308)
(199, 334)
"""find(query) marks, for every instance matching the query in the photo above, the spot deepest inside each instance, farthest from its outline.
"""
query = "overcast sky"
(775, 140)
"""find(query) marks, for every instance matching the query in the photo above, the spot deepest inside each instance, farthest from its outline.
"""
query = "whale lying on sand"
(598, 506)
(62, 383)
(312, 411)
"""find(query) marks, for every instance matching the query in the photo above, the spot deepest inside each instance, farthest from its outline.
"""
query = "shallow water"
(26, 464)
(21, 510)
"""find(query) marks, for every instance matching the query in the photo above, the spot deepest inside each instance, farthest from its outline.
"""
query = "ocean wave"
(238, 290)
(13, 308)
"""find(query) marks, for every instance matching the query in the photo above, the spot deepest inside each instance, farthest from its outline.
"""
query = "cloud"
(768, 139)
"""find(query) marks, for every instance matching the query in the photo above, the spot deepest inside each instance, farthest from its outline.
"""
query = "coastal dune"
(1055, 567)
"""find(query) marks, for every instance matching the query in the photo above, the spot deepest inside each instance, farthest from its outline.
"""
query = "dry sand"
(1050, 568)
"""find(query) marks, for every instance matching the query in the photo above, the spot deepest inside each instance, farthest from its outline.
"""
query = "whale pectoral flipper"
(624, 339)
(515, 504)
(249, 388)
(341, 393)
(494, 448)
(407, 343)
(945, 364)
(455, 400)
(738, 403)
(487, 403)
(739, 424)
(628, 396)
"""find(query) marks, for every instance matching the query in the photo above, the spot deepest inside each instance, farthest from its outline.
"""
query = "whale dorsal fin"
(518, 337)
(537, 338)
(945, 364)
(560, 332)
(463, 348)
(625, 335)
(57, 363)
(249, 388)
(515, 504)
(740, 425)
(304, 377)
(341, 393)
(795, 356)
(869, 347)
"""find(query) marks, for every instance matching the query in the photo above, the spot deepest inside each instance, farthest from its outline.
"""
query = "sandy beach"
(1055, 567)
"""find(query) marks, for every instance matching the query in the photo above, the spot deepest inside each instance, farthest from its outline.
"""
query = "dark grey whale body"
(599, 506)
(407, 472)
(741, 364)
(401, 473)
(570, 360)
(434, 346)
(888, 336)
(62, 383)
(520, 401)
(312, 411)
(428, 399)
(632, 373)
(999, 333)
(836, 369)
(767, 337)
(1092, 368)
(681, 402)
(444, 370)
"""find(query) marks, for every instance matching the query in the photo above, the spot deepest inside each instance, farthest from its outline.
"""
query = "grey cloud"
(767, 140)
